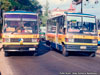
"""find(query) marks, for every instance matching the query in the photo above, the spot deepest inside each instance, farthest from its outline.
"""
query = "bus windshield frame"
(81, 24)
(24, 24)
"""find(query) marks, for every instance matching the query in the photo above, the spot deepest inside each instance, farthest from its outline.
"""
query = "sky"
(91, 8)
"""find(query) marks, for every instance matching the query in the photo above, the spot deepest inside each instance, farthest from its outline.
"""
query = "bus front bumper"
(20, 48)
(84, 48)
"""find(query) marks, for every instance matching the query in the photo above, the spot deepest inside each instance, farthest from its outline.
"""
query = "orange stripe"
(51, 35)
(54, 35)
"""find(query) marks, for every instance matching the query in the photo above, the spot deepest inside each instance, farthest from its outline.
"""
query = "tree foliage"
(29, 5)
(45, 16)
(46, 8)
(5, 4)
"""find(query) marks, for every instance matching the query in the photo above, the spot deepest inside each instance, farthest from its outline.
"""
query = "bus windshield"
(77, 24)
(20, 27)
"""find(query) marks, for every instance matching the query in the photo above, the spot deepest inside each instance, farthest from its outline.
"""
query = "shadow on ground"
(43, 49)
(82, 54)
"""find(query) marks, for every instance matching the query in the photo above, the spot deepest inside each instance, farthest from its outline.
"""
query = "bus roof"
(81, 14)
(74, 14)
(19, 12)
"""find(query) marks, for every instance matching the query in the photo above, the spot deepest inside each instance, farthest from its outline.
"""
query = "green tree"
(5, 4)
(29, 5)
(46, 8)
(45, 16)
(35, 5)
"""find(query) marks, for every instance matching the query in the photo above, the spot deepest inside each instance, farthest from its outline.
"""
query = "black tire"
(34, 53)
(93, 54)
(7, 54)
(48, 43)
(64, 52)
(0, 73)
(43, 39)
(52, 48)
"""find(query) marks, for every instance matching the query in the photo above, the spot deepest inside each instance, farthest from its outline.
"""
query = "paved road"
(50, 63)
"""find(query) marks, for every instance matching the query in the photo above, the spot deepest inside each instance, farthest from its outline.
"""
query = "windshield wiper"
(16, 29)
(19, 28)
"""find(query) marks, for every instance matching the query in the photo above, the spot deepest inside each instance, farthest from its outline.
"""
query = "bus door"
(59, 33)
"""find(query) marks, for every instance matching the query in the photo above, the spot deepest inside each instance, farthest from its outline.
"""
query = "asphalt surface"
(49, 62)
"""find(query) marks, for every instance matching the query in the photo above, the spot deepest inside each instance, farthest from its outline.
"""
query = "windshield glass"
(21, 27)
(78, 24)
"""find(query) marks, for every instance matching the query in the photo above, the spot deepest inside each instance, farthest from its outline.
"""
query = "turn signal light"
(66, 39)
(3, 40)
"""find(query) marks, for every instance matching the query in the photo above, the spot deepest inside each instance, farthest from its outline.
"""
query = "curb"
(5, 69)
(98, 51)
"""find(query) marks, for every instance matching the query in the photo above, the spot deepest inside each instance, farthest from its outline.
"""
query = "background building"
(58, 11)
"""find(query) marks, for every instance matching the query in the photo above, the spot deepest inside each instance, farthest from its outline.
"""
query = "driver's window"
(61, 30)
(64, 31)
(89, 24)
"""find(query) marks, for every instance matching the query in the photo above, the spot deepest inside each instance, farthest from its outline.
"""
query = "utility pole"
(82, 6)
(77, 2)
(81, 1)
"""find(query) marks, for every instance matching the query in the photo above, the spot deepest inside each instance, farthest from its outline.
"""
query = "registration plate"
(32, 49)
(82, 47)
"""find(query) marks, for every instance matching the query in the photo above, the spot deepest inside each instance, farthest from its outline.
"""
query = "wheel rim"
(64, 52)
(92, 55)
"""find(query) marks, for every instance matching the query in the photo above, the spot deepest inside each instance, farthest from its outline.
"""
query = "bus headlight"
(70, 40)
(7, 40)
(34, 40)
(94, 41)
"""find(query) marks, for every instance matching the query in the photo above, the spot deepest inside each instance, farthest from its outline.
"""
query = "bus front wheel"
(48, 43)
(93, 54)
(7, 54)
(64, 52)
(34, 53)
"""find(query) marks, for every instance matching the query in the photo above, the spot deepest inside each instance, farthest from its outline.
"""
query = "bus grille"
(83, 40)
(24, 39)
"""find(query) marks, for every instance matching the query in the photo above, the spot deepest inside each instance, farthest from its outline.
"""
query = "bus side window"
(64, 30)
(61, 30)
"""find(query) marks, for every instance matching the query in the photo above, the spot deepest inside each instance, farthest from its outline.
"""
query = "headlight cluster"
(6, 39)
(42, 34)
(69, 40)
(94, 41)
(34, 40)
